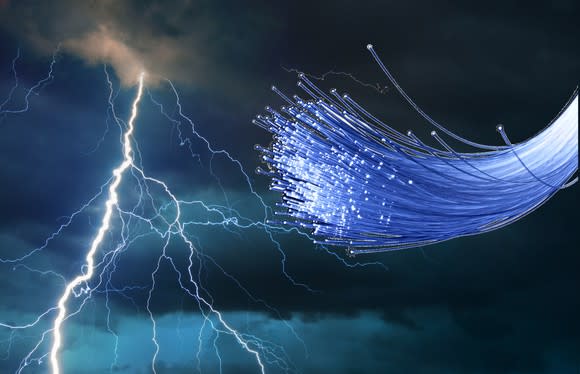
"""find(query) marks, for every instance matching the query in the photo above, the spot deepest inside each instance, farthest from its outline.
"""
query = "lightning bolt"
(105, 224)
(110, 204)
(174, 228)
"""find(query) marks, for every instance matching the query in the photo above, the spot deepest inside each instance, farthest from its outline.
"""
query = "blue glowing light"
(357, 182)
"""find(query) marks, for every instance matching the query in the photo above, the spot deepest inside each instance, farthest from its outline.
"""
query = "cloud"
(104, 47)
(171, 39)
(98, 32)
(361, 344)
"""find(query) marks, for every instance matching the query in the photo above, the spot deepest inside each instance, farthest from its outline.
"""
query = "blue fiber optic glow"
(356, 182)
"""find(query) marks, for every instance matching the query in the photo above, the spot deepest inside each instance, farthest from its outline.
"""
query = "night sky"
(502, 302)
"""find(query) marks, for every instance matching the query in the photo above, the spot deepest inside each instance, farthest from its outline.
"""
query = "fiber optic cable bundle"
(354, 181)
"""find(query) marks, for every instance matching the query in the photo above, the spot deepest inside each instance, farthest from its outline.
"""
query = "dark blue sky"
(503, 302)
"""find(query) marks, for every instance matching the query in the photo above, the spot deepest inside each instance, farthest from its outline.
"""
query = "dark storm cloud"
(174, 39)
(236, 50)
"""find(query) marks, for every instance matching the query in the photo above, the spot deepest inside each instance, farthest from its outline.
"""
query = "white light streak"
(110, 203)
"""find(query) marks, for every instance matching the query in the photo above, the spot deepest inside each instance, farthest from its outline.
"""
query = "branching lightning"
(111, 203)
(31, 91)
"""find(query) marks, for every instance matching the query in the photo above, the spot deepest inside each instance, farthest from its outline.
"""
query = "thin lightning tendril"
(377, 87)
(31, 91)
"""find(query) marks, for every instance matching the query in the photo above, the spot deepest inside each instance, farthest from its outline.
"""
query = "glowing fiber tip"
(356, 182)
(110, 203)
